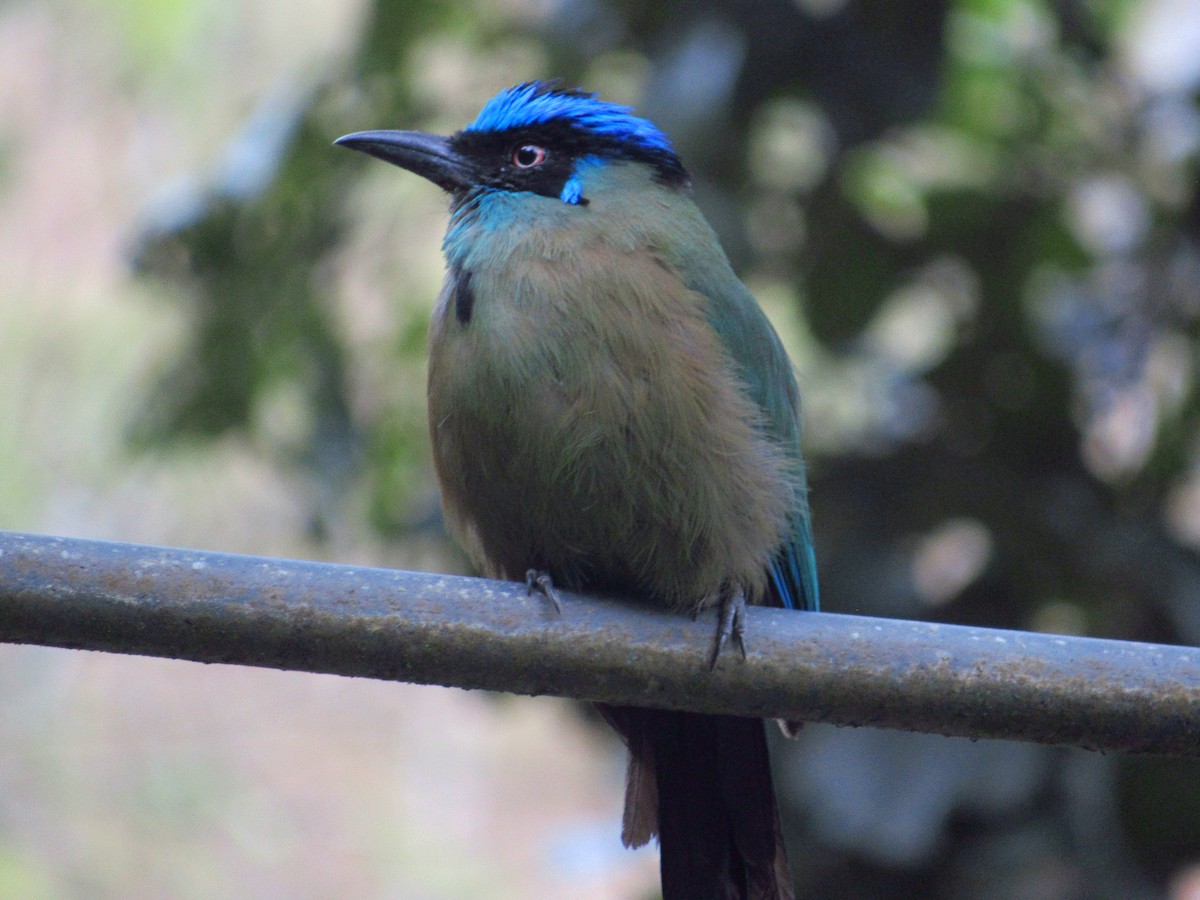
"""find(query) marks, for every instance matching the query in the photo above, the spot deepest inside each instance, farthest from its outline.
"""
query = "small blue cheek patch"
(572, 191)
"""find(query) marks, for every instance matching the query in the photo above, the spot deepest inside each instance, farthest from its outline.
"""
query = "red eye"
(527, 156)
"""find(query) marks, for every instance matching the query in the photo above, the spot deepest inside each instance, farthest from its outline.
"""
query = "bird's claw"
(541, 582)
(733, 623)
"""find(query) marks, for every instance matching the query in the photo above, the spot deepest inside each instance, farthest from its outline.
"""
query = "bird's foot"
(733, 623)
(536, 580)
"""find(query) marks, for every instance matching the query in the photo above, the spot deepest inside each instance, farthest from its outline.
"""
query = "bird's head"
(535, 137)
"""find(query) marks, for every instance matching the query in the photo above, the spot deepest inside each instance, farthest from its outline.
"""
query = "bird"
(611, 411)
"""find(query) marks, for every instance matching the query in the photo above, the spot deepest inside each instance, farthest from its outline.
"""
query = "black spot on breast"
(464, 296)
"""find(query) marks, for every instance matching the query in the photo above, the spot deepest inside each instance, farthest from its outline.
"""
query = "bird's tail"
(702, 783)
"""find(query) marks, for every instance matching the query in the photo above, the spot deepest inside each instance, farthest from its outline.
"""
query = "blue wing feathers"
(794, 571)
(767, 372)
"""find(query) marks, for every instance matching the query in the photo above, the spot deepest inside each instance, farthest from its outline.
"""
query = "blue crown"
(538, 102)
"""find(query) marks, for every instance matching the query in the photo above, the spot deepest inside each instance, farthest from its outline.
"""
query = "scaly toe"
(541, 582)
(733, 623)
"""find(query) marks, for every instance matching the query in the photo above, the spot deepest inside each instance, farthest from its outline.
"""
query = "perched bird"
(610, 410)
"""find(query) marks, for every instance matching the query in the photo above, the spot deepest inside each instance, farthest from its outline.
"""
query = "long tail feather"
(706, 782)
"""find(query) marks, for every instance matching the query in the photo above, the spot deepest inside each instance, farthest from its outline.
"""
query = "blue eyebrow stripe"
(538, 102)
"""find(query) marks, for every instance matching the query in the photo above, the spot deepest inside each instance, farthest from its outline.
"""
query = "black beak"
(429, 155)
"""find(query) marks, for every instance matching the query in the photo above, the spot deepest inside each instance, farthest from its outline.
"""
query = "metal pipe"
(475, 633)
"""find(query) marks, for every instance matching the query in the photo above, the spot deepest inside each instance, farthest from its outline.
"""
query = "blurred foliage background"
(975, 223)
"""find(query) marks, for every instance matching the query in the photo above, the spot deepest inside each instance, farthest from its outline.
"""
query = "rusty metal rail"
(474, 633)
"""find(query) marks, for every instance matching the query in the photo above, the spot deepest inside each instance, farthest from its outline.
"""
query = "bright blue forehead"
(538, 102)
